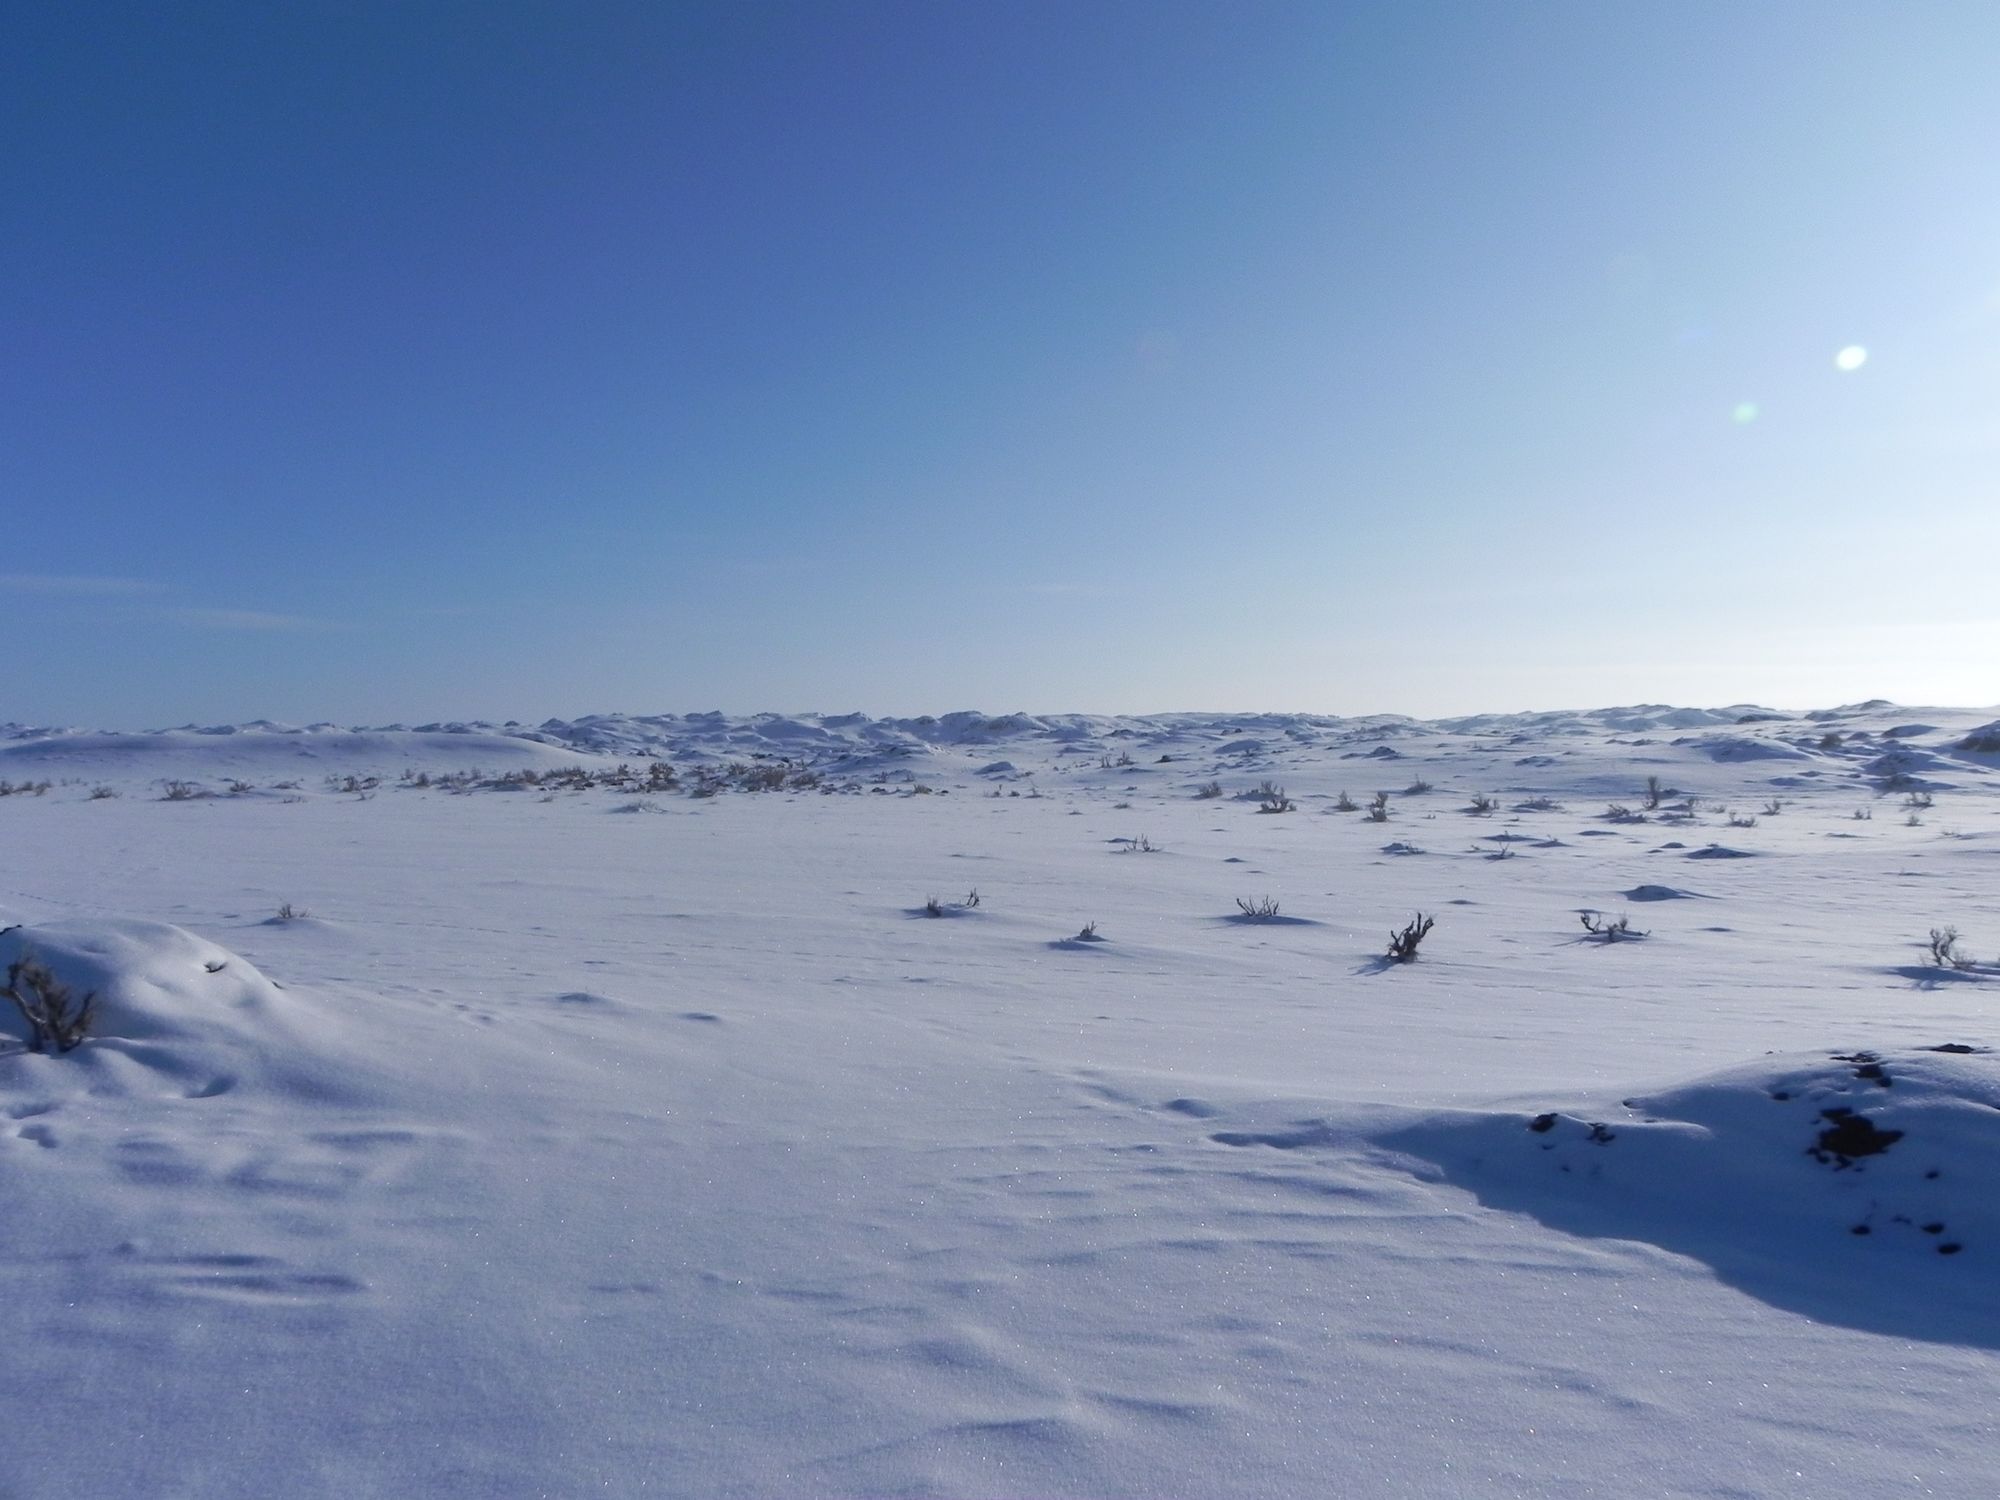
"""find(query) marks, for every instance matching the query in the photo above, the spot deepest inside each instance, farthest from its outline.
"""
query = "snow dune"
(1825, 1184)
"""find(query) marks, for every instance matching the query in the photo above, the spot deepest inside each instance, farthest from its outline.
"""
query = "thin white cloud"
(79, 584)
(246, 619)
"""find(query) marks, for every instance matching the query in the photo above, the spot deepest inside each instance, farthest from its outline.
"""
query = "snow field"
(561, 1153)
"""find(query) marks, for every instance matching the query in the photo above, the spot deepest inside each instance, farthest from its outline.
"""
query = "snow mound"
(1912, 767)
(1850, 1186)
(172, 1013)
(1983, 741)
(1648, 716)
(1733, 749)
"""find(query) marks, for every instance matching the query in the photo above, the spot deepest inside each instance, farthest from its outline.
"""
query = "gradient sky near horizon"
(381, 362)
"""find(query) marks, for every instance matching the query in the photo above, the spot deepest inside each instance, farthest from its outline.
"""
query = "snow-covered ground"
(651, 1136)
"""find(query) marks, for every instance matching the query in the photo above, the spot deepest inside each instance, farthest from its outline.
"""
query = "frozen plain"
(592, 1142)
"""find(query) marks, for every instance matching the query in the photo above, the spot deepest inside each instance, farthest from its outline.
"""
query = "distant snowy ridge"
(1876, 739)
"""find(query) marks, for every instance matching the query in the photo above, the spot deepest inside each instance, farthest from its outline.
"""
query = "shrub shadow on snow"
(1663, 893)
(1385, 963)
(1930, 976)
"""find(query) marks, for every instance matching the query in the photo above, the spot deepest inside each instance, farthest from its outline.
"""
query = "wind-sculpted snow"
(1982, 743)
(1842, 1185)
(174, 1015)
(1734, 747)
(1007, 1105)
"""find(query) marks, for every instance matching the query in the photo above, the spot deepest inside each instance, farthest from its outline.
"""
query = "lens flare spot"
(1852, 358)
(1746, 411)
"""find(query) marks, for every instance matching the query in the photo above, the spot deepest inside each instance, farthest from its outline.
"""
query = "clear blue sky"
(399, 361)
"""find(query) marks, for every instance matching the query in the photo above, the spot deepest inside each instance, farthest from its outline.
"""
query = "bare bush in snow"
(1611, 929)
(1943, 948)
(1403, 944)
(55, 1017)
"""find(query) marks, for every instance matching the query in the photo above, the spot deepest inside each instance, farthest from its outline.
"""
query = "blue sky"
(390, 362)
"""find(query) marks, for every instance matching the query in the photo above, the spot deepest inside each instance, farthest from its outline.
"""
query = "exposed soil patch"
(1849, 1137)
